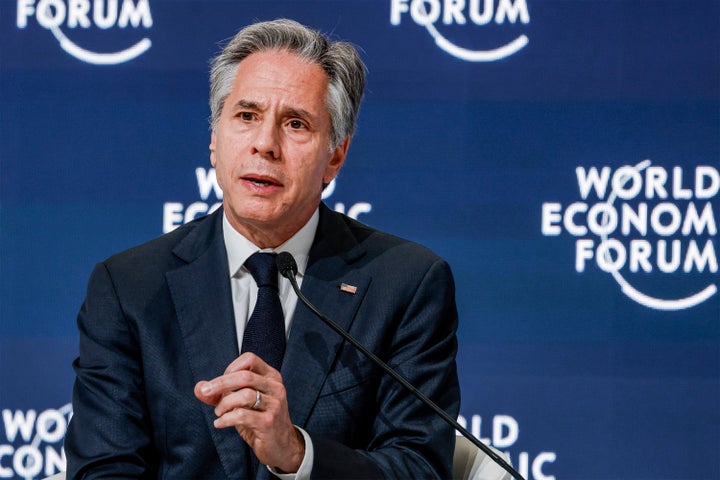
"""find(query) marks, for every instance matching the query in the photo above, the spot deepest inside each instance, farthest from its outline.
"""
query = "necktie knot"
(263, 269)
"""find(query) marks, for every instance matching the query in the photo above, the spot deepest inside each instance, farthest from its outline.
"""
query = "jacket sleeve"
(109, 433)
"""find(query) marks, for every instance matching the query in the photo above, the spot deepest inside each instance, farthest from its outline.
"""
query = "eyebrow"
(289, 111)
(247, 104)
(299, 112)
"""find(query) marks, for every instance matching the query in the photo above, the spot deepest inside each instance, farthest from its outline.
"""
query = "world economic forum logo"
(652, 228)
(431, 13)
(71, 15)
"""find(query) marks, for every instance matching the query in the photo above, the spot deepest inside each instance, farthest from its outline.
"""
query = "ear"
(213, 161)
(337, 158)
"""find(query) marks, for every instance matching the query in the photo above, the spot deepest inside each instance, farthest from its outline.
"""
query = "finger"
(245, 398)
(240, 418)
(242, 362)
(204, 392)
(250, 361)
(220, 386)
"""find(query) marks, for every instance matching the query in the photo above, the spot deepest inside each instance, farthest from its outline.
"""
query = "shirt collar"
(240, 248)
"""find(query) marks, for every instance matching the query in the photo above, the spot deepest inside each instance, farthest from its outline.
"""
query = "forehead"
(274, 75)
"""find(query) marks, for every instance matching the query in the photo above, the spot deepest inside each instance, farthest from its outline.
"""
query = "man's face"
(271, 146)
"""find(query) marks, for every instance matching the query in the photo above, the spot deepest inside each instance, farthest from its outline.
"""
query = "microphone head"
(286, 264)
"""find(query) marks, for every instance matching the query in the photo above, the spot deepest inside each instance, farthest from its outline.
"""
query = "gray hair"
(340, 61)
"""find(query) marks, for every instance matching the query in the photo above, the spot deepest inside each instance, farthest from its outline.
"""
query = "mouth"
(261, 181)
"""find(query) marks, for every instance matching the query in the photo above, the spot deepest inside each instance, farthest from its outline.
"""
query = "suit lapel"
(313, 346)
(201, 293)
(203, 302)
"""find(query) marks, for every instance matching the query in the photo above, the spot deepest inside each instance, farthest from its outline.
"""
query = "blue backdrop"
(563, 156)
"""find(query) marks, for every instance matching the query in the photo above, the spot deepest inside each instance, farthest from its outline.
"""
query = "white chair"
(471, 463)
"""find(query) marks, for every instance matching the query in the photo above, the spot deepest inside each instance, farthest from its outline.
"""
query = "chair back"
(471, 463)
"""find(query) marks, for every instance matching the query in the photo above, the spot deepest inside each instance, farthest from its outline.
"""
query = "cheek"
(223, 172)
(224, 163)
(313, 177)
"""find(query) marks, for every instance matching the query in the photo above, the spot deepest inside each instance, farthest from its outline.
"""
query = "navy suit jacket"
(159, 317)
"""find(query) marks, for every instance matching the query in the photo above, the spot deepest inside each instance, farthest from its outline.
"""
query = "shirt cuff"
(305, 469)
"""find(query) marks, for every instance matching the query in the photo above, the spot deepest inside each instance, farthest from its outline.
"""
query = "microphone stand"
(289, 271)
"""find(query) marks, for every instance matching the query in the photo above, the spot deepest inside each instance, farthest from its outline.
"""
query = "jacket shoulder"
(158, 252)
(377, 242)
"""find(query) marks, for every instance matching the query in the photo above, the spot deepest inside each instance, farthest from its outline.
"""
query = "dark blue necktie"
(265, 331)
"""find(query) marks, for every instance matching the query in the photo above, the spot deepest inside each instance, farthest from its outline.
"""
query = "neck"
(266, 236)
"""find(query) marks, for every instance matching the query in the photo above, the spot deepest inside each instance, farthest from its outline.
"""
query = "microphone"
(288, 268)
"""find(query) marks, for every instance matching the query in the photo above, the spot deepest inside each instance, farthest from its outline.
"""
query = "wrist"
(296, 454)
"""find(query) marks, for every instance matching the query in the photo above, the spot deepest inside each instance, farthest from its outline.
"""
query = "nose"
(266, 142)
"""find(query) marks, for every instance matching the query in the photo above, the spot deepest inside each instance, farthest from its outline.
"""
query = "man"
(168, 383)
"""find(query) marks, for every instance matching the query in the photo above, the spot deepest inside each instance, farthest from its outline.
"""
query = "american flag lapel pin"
(351, 289)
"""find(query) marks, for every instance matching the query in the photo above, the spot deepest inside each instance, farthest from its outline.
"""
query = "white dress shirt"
(245, 290)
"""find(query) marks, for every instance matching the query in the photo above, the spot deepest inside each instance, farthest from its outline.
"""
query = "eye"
(296, 124)
(247, 116)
